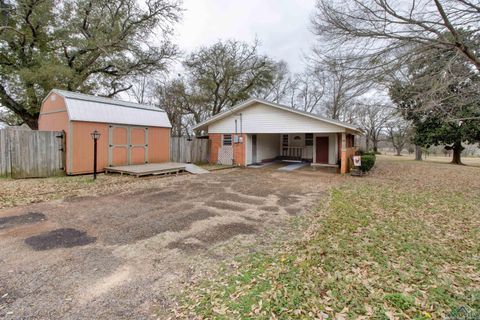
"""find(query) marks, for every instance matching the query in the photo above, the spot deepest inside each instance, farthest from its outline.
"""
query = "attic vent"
(53, 97)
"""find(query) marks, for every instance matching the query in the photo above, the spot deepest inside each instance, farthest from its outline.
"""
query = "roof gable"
(285, 117)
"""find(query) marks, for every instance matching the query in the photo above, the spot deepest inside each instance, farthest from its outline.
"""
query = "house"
(258, 131)
(130, 133)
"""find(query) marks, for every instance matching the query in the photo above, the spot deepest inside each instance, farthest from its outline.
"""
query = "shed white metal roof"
(252, 101)
(84, 107)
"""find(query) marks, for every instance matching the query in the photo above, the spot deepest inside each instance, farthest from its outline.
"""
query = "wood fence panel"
(188, 151)
(5, 167)
(35, 154)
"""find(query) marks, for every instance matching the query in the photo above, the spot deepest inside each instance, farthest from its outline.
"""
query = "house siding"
(261, 118)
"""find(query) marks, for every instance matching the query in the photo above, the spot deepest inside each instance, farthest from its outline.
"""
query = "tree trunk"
(418, 153)
(457, 153)
(375, 146)
(399, 151)
(32, 122)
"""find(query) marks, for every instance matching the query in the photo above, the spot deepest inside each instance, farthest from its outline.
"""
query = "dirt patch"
(144, 191)
(73, 199)
(12, 221)
(286, 201)
(224, 206)
(188, 245)
(269, 208)
(293, 211)
(233, 197)
(135, 229)
(59, 238)
(163, 195)
(224, 232)
(210, 236)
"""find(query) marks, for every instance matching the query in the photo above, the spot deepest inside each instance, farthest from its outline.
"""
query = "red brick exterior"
(215, 144)
(239, 153)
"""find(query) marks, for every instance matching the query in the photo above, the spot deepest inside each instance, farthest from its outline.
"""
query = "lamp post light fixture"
(95, 136)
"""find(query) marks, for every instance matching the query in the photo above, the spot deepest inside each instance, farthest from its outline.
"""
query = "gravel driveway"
(125, 255)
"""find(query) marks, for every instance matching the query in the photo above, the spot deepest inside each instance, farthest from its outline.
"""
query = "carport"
(257, 131)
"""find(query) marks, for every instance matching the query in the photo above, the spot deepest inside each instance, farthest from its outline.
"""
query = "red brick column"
(215, 144)
(239, 152)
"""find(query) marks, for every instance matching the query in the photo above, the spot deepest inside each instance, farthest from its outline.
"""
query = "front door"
(254, 148)
(322, 150)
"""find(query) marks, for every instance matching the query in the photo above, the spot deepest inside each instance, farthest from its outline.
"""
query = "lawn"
(401, 243)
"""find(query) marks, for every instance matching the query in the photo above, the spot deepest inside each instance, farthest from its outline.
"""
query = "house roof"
(252, 101)
(85, 107)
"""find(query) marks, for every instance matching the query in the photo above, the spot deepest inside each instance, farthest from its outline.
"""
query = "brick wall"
(239, 154)
(215, 144)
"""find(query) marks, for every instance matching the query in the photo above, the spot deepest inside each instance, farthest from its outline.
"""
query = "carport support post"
(343, 159)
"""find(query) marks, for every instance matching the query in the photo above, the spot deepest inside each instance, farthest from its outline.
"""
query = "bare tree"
(373, 118)
(143, 89)
(399, 134)
(281, 85)
(172, 97)
(307, 91)
(343, 83)
(382, 27)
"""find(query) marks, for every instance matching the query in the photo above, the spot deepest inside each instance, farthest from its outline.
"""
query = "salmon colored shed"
(131, 133)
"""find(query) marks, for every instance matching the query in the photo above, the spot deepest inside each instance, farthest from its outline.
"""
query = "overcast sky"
(282, 26)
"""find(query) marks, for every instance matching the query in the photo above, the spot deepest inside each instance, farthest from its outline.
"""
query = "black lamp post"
(95, 136)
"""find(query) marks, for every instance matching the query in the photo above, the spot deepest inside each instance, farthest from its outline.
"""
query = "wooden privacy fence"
(189, 151)
(31, 154)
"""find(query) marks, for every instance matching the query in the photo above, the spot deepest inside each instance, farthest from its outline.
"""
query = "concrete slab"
(293, 166)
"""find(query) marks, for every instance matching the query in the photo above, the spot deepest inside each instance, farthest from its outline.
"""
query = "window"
(308, 139)
(285, 140)
(227, 139)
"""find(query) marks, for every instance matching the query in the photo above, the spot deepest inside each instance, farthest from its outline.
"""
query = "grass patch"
(382, 249)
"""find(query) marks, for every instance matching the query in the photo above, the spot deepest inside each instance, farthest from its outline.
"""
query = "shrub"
(368, 161)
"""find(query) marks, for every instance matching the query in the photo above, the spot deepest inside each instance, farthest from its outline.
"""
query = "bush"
(368, 161)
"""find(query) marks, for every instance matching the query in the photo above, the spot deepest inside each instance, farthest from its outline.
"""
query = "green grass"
(380, 250)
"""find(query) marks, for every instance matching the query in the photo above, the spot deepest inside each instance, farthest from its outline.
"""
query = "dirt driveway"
(125, 255)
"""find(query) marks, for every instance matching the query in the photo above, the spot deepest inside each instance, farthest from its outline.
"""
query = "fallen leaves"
(402, 243)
